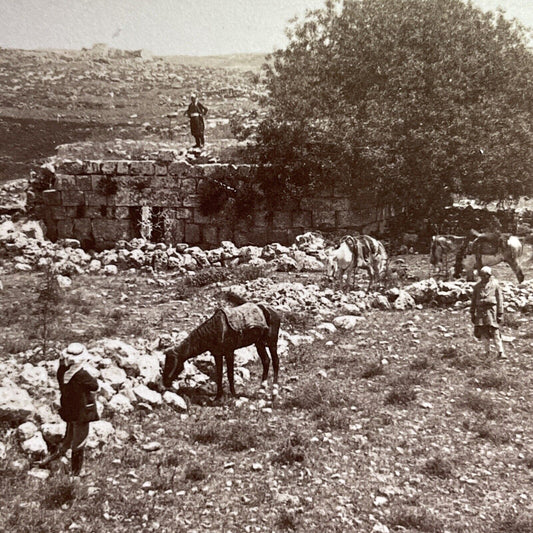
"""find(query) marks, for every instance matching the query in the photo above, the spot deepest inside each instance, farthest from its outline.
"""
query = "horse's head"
(173, 366)
(331, 265)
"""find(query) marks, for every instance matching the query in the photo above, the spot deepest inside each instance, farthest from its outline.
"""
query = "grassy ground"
(401, 423)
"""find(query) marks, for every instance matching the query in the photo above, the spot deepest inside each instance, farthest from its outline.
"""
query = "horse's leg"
(517, 270)
(273, 348)
(265, 361)
(230, 360)
(219, 370)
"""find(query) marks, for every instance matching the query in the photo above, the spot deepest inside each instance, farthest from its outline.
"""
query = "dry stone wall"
(102, 202)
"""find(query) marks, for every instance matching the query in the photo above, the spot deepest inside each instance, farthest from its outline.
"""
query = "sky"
(170, 27)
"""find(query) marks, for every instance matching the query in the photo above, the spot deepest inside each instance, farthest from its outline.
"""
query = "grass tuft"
(292, 451)
(414, 519)
(195, 472)
(64, 492)
(438, 467)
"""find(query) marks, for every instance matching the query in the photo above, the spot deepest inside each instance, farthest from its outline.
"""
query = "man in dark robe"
(196, 112)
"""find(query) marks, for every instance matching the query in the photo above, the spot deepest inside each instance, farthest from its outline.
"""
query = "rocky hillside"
(49, 98)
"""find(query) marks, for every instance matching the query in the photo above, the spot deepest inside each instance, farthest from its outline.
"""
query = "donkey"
(222, 334)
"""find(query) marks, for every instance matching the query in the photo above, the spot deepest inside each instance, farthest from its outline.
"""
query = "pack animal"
(220, 336)
(339, 263)
(369, 254)
(489, 249)
(443, 247)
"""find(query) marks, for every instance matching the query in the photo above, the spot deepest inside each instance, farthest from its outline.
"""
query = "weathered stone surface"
(120, 404)
(347, 321)
(15, 404)
(53, 433)
(26, 430)
(144, 394)
(35, 446)
(36, 376)
(175, 401)
(100, 432)
(115, 376)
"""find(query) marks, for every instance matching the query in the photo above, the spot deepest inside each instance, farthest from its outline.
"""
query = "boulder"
(100, 432)
(35, 446)
(404, 301)
(54, 433)
(347, 321)
(120, 404)
(146, 395)
(15, 404)
(36, 376)
(136, 364)
(114, 376)
(175, 401)
(26, 430)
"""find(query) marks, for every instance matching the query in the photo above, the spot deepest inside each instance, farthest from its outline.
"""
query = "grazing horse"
(442, 246)
(222, 334)
(490, 249)
(368, 254)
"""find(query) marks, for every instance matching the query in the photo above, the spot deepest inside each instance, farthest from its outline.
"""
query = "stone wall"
(102, 202)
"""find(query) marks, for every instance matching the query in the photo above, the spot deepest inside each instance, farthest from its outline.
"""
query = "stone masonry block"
(193, 200)
(123, 167)
(111, 230)
(175, 230)
(82, 227)
(166, 198)
(192, 234)
(198, 218)
(57, 212)
(121, 212)
(73, 167)
(65, 182)
(70, 198)
(144, 168)
(52, 197)
(210, 235)
(180, 168)
(281, 219)
(95, 199)
(301, 219)
(92, 167)
(109, 168)
(188, 186)
(165, 182)
(161, 170)
(65, 228)
(324, 219)
(95, 211)
(183, 213)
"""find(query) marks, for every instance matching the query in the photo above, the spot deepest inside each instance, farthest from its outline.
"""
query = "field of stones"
(389, 417)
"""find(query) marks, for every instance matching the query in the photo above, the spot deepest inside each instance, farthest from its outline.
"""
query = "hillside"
(54, 97)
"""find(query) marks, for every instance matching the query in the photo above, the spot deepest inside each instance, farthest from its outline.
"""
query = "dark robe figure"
(196, 112)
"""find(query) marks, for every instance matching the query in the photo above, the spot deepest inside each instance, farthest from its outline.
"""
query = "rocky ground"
(387, 420)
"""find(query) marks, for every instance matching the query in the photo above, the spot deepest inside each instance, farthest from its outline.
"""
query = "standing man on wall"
(196, 112)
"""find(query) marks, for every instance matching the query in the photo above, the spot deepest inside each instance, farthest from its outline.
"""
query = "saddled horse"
(223, 333)
(368, 254)
(490, 249)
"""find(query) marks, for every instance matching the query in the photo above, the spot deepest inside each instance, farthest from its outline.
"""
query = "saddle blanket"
(245, 317)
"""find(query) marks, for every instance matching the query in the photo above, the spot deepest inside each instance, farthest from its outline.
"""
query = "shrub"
(207, 276)
(373, 369)
(495, 434)
(402, 391)
(245, 273)
(492, 380)
(438, 467)
(513, 521)
(60, 494)
(330, 419)
(107, 186)
(479, 404)
(213, 197)
(412, 518)
(194, 472)
(292, 451)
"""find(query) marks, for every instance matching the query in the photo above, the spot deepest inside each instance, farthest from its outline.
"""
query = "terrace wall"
(102, 202)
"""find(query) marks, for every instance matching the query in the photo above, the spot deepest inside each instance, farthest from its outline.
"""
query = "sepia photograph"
(266, 266)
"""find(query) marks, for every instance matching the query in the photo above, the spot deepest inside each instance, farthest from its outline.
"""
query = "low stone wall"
(102, 202)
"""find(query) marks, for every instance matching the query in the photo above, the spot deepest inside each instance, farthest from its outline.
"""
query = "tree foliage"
(411, 100)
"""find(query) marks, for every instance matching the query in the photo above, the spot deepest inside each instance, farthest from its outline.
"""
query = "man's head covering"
(193, 95)
(74, 353)
(486, 271)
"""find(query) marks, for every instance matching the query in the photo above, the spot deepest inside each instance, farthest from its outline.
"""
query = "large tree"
(408, 100)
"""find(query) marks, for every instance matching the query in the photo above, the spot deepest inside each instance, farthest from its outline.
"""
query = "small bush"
(210, 433)
(330, 420)
(57, 495)
(287, 520)
(292, 451)
(402, 391)
(492, 380)
(373, 369)
(479, 404)
(213, 197)
(312, 395)
(513, 521)
(438, 467)
(495, 434)
(245, 273)
(421, 363)
(207, 276)
(412, 518)
(194, 472)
